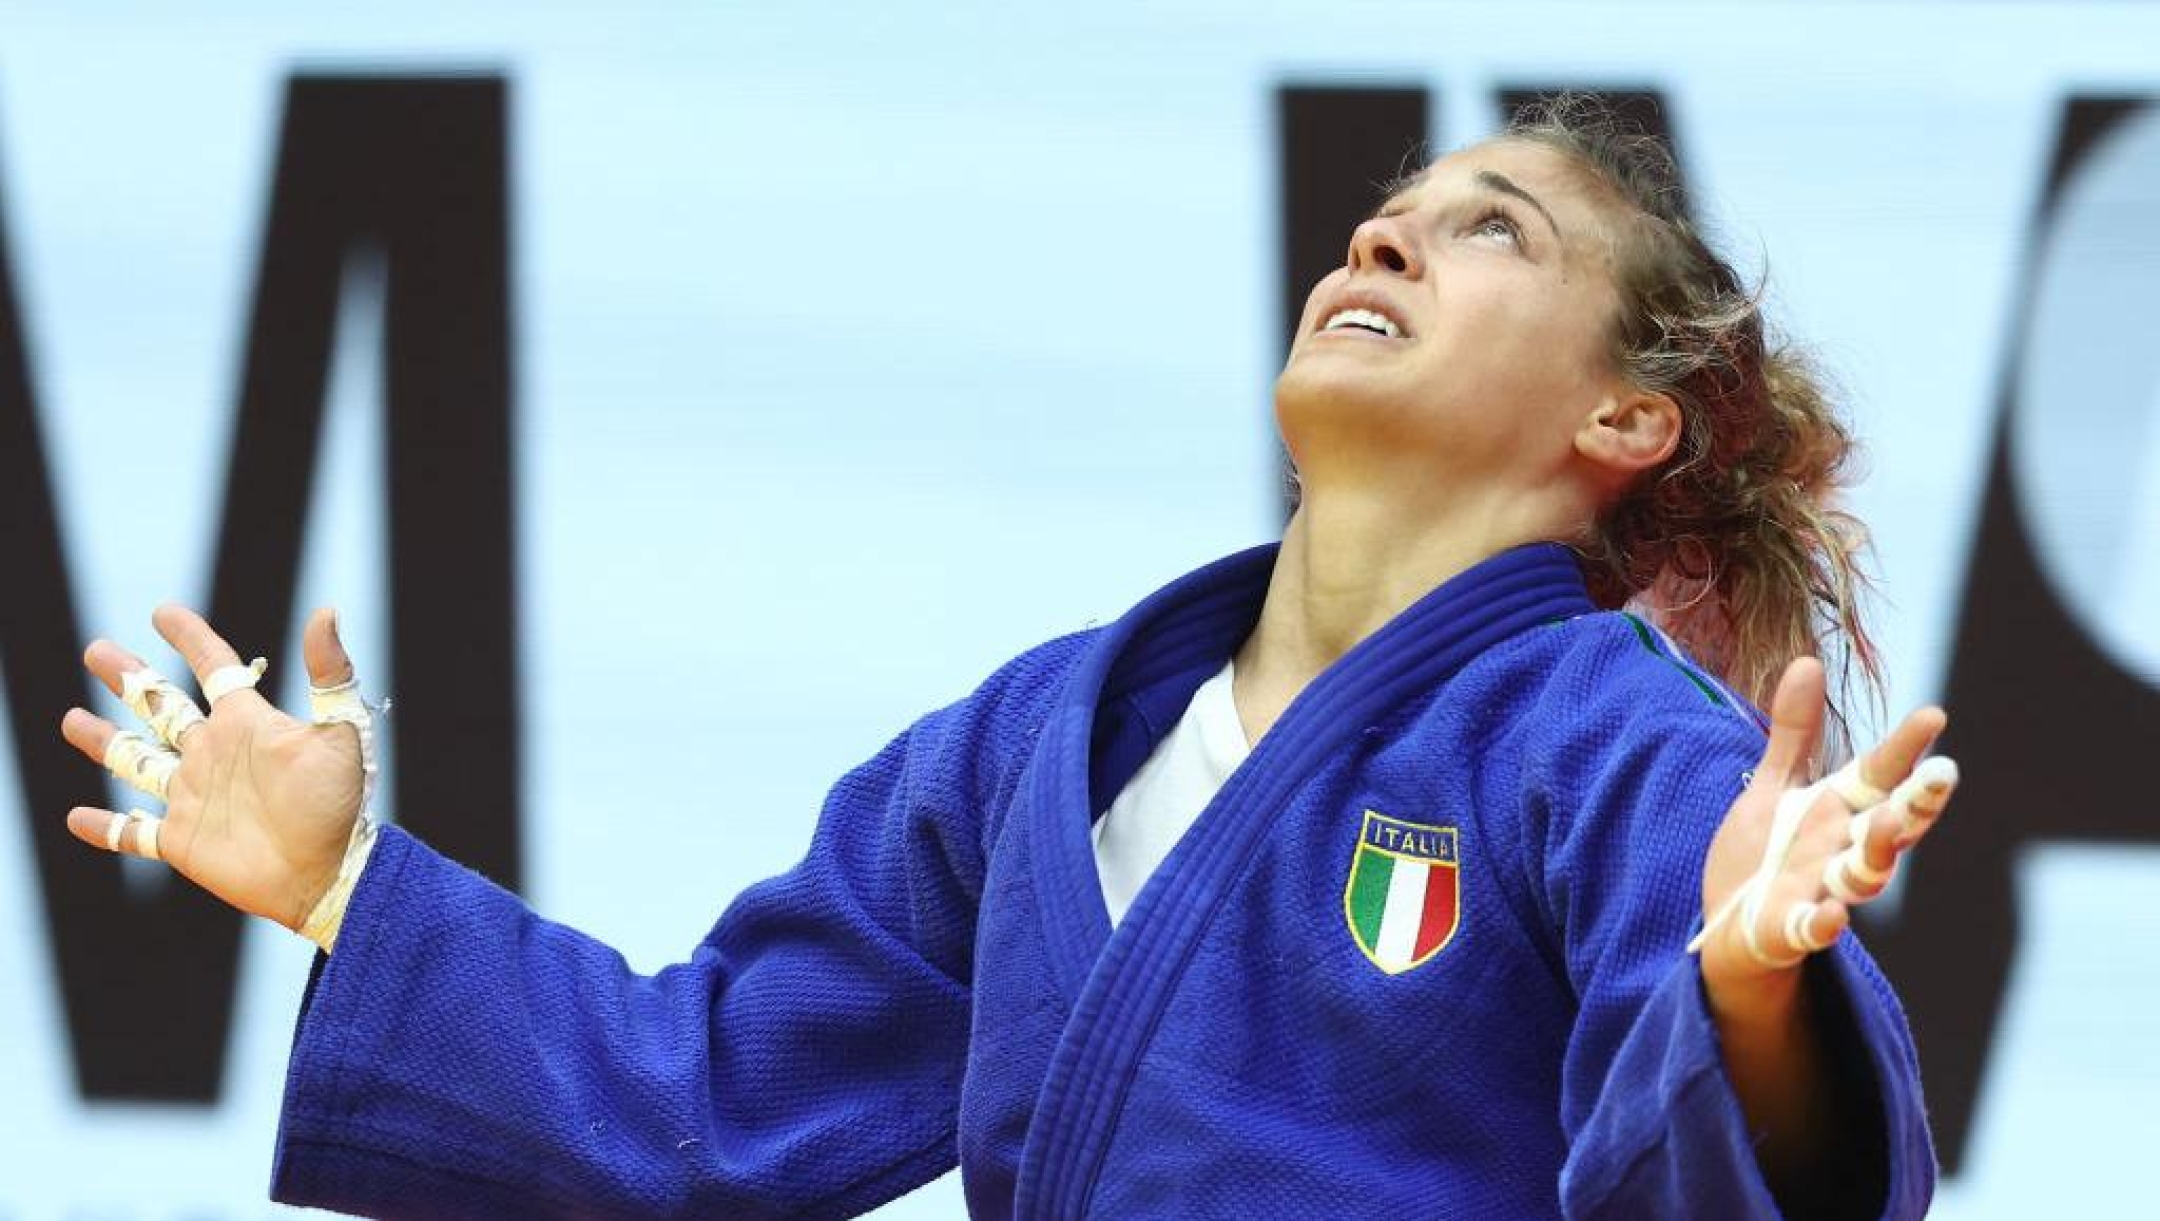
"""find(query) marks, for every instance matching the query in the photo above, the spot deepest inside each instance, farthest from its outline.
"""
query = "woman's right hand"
(262, 804)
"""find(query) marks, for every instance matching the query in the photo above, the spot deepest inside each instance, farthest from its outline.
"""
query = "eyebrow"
(1506, 186)
(1491, 180)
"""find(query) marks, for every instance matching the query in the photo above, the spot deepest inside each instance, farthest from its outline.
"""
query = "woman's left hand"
(1843, 837)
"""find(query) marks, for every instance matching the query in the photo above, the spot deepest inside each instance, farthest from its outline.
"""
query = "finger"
(1892, 760)
(1875, 836)
(165, 708)
(131, 834)
(1861, 871)
(205, 651)
(1783, 936)
(91, 824)
(333, 692)
(1820, 927)
(1882, 834)
(1921, 800)
(1796, 718)
(88, 732)
(327, 663)
(108, 661)
(146, 765)
(140, 836)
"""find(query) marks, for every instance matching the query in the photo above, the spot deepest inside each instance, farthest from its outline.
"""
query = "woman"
(1353, 878)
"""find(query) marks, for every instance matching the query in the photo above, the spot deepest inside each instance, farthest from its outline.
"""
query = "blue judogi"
(939, 981)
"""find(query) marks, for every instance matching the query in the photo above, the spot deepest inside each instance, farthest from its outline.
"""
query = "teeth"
(1365, 318)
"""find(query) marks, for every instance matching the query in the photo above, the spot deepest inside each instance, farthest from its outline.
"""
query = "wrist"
(1759, 1000)
(326, 915)
(310, 895)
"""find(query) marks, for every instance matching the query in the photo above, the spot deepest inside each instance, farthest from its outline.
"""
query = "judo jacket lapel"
(1117, 986)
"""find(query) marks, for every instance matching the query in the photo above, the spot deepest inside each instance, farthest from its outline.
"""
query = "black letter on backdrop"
(1341, 147)
(1641, 110)
(410, 171)
(2054, 732)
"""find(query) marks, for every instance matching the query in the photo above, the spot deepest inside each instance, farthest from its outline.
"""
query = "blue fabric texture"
(938, 981)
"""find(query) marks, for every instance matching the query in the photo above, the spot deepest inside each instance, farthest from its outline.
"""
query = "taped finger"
(147, 827)
(225, 680)
(1852, 788)
(338, 703)
(1922, 797)
(1848, 876)
(145, 840)
(1800, 930)
(143, 764)
(1751, 938)
(164, 707)
(341, 705)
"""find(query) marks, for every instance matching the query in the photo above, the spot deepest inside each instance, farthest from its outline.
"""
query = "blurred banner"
(757, 378)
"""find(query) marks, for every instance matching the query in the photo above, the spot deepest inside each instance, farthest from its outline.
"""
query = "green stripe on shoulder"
(1648, 636)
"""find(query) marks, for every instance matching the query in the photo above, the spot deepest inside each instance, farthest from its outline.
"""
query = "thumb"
(1796, 722)
(327, 664)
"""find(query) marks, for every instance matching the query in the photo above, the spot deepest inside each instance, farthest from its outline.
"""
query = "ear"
(1630, 432)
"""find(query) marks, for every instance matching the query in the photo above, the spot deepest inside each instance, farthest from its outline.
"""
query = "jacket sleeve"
(459, 1056)
(1654, 1126)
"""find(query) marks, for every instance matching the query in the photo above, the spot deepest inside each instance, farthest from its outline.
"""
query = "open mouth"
(1370, 321)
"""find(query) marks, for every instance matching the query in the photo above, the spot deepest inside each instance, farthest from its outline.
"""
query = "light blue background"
(861, 346)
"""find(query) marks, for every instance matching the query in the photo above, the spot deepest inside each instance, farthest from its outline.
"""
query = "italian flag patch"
(1401, 899)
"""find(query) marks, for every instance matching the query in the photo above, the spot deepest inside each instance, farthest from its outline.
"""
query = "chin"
(1318, 396)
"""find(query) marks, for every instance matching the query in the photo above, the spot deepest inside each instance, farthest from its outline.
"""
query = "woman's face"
(1489, 281)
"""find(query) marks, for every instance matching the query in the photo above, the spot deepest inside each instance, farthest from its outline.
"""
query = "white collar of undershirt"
(1164, 798)
(1221, 733)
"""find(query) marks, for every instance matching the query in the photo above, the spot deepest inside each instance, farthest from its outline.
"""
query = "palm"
(1738, 844)
(1738, 850)
(272, 797)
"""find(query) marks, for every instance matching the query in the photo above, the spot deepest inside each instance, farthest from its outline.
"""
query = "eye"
(1496, 223)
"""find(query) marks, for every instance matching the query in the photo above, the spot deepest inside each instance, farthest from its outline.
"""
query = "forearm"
(1773, 1054)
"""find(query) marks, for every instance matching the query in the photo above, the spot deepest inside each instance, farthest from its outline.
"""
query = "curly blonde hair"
(1736, 544)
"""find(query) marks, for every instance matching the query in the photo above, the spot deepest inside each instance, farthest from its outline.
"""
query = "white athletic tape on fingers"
(339, 703)
(1748, 899)
(342, 705)
(114, 830)
(1838, 882)
(147, 827)
(165, 708)
(1855, 792)
(141, 763)
(225, 680)
(1800, 932)
(1857, 831)
(1917, 801)
(1920, 800)
(1848, 875)
(1845, 874)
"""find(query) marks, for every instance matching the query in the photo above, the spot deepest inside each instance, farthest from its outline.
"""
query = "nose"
(1381, 244)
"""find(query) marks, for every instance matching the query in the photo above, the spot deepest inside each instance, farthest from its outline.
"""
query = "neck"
(1350, 562)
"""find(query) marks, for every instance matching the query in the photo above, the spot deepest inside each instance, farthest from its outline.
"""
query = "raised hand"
(258, 804)
(1791, 860)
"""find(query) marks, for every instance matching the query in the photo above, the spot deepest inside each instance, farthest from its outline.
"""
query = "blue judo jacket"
(1421, 957)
